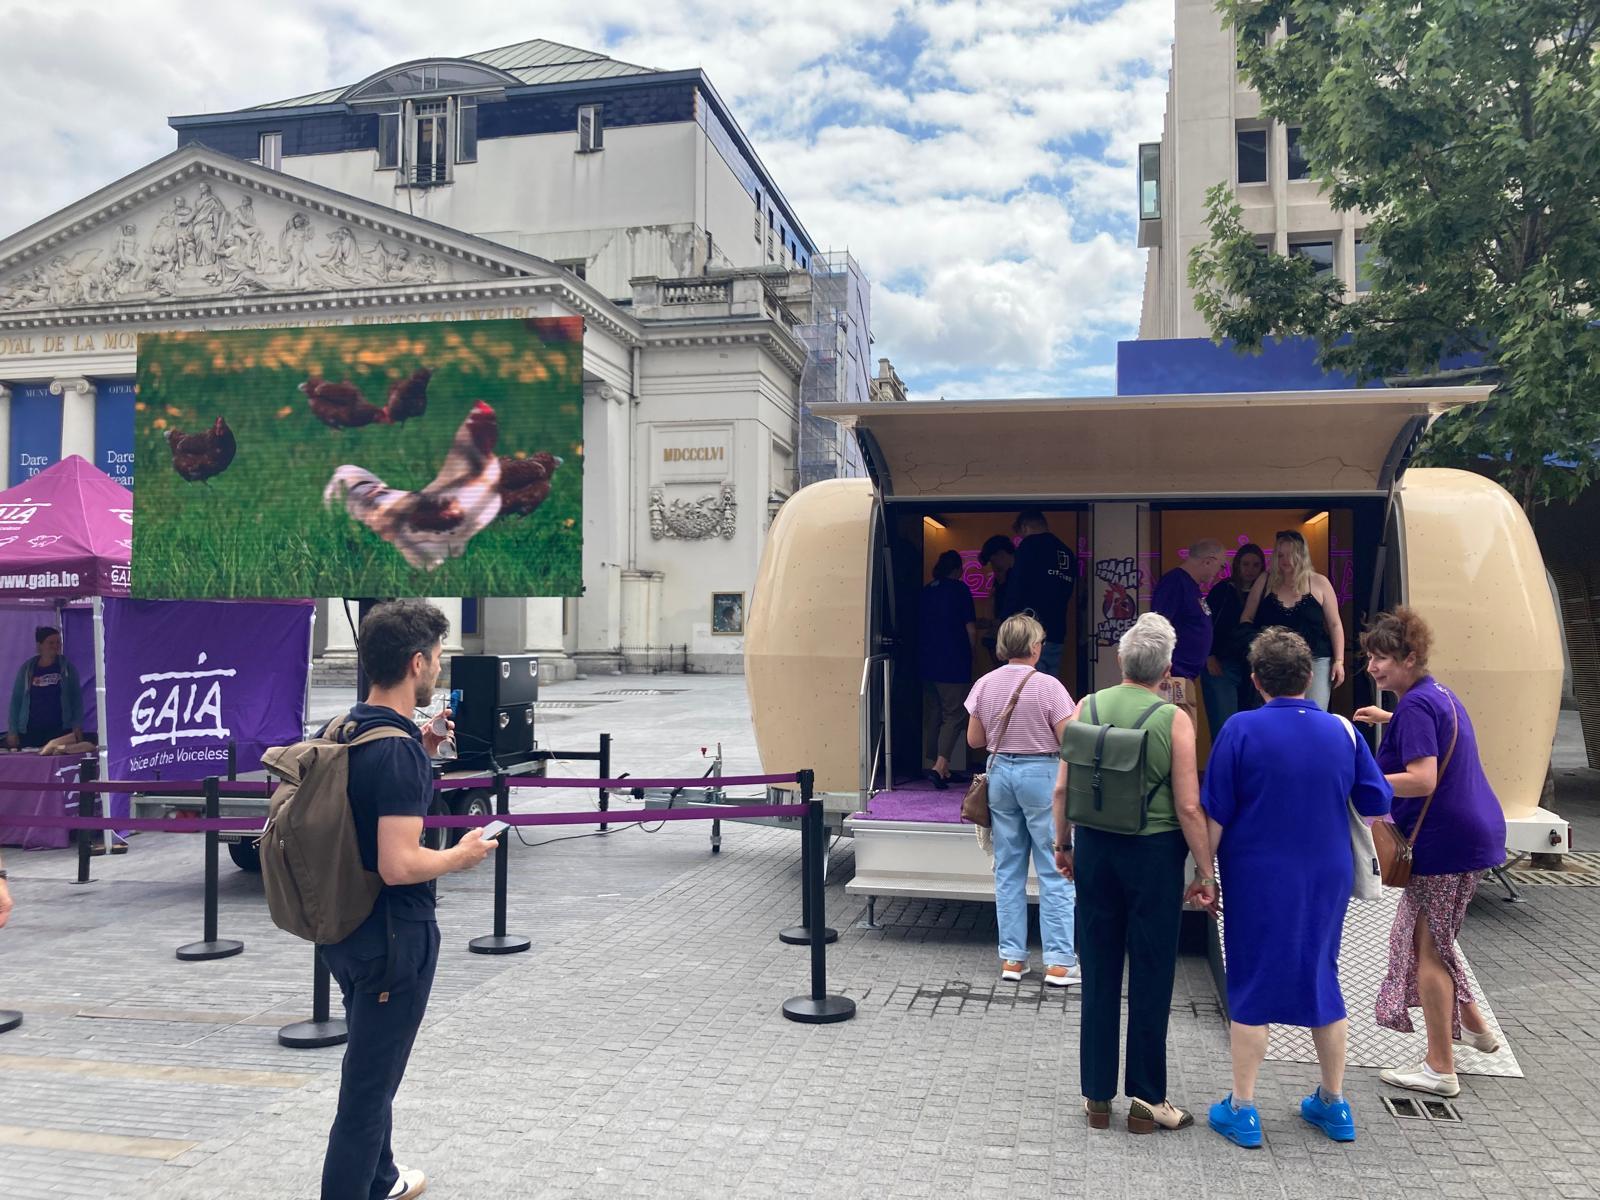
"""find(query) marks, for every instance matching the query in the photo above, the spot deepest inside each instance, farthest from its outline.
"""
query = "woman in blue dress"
(1276, 792)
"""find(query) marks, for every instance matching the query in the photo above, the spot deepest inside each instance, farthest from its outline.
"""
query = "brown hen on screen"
(436, 523)
(200, 456)
(409, 397)
(525, 482)
(341, 405)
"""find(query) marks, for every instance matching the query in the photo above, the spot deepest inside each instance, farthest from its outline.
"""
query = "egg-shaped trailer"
(1128, 483)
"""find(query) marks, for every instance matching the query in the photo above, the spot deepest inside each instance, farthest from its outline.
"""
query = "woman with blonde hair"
(1018, 713)
(1294, 597)
(1429, 755)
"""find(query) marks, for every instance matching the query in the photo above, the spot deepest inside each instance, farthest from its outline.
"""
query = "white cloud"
(986, 185)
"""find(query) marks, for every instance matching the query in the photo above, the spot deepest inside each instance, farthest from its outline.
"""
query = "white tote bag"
(1367, 883)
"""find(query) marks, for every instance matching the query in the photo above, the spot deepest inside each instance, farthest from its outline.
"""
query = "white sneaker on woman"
(1483, 1043)
(1420, 1079)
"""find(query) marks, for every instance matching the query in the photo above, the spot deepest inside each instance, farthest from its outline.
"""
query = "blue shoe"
(1336, 1120)
(1241, 1126)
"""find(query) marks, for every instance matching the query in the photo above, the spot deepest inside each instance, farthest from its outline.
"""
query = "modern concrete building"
(1214, 132)
(533, 180)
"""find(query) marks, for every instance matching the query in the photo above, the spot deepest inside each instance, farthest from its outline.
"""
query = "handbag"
(975, 804)
(1367, 878)
(1395, 852)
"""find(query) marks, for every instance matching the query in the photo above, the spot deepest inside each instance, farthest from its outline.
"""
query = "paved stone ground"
(639, 1050)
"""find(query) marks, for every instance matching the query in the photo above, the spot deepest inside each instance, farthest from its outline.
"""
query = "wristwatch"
(1063, 847)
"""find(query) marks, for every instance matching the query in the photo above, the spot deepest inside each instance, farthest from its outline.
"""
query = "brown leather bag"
(1394, 852)
(975, 804)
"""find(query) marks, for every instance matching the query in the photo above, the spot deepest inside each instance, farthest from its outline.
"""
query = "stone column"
(529, 626)
(451, 607)
(605, 527)
(77, 416)
(5, 436)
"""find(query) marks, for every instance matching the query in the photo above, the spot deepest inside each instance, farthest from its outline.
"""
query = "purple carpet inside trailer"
(919, 800)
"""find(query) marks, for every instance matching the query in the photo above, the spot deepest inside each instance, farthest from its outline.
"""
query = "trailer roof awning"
(1239, 444)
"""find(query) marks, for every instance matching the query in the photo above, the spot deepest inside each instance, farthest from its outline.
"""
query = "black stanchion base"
(313, 1035)
(825, 1011)
(79, 882)
(489, 944)
(205, 951)
(799, 935)
(9, 1019)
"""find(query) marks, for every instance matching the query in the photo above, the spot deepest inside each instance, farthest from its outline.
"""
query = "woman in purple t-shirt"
(1430, 748)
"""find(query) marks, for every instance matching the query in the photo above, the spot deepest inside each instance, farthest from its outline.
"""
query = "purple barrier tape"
(154, 787)
(702, 812)
(615, 785)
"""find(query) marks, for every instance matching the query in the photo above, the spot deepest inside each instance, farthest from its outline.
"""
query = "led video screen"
(435, 459)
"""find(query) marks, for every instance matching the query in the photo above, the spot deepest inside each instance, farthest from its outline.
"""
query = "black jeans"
(360, 1164)
(1130, 906)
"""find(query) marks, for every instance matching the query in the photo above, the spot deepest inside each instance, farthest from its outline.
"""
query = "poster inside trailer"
(440, 458)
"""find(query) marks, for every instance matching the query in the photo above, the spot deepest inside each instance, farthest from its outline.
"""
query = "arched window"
(428, 114)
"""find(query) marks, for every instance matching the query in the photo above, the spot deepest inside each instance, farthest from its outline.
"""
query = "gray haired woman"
(1131, 891)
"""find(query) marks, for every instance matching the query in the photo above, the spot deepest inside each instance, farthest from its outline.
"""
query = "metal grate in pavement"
(565, 705)
(645, 692)
(1363, 963)
(1581, 870)
(1418, 1108)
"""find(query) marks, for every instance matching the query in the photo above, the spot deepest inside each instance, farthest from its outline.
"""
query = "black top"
(1227, 606)
(390, 778)
(1304, 617)
(1041, 580)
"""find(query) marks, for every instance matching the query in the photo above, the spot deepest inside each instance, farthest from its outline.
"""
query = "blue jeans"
(1023, 824)
(1050, 658)
(1222, 693)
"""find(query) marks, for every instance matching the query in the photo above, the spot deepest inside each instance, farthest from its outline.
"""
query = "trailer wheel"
(477, 803)
(246, 855)
(438, 839)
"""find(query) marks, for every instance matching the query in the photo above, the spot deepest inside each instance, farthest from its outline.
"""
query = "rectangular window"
(430, 142)
(272, 151)
(467, 129)
(1299, 165)
(1365, 259)
(591, 129)
(1252, 151)
(758, 218)
(575, 266)
(389, 140)
(1150, 181)
(771, 257)
(1318, 254)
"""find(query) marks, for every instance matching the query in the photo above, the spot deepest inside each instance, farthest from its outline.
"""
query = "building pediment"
(199, 226)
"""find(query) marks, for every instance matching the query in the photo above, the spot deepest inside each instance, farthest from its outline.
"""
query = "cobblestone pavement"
(638, 1049)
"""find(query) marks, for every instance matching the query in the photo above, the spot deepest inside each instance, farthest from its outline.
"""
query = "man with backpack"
(385, 967)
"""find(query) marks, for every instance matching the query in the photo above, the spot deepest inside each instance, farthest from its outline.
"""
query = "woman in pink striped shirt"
(1022, 775)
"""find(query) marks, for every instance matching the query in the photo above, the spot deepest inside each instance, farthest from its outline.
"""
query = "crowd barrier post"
(800, 935)
(210, 946)
(321, 1030)
(818, 1007)
(499, 942)
(88, 772)
(605, 773)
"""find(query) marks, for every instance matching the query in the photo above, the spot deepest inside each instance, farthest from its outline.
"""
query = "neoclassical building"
(533, 180)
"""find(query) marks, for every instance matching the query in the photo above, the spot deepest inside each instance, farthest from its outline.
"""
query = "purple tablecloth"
(15, 807)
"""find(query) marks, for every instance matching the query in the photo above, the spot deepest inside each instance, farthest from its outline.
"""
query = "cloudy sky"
(976, 158)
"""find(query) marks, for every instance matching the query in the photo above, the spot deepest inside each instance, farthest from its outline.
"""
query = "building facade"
(1214, 132)
(535, 180)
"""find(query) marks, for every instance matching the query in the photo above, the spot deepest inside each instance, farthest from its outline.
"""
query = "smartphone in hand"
(494, 829)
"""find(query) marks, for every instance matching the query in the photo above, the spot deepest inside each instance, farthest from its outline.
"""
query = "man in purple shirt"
(1180, 598)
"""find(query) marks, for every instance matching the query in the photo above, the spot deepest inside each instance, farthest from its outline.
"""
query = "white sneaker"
(411, 1184)
(1061, 977)
(1483, 1043)
(1419, 1079)
(1011, 970)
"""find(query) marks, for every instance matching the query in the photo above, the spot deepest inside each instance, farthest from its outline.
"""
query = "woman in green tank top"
(1131, 890)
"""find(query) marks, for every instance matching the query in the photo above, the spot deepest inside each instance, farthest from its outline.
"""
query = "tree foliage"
(1468, 133)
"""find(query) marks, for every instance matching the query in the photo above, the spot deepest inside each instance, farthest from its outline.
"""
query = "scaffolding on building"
(838, 342)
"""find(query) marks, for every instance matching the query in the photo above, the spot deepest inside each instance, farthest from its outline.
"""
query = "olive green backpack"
(1105, 772)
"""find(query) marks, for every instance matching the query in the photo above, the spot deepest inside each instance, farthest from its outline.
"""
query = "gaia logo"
(18, 514)
(177, 705)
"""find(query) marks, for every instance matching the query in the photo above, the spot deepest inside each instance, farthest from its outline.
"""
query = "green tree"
(1468, 132)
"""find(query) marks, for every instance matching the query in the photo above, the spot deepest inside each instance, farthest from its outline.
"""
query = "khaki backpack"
(316, 885)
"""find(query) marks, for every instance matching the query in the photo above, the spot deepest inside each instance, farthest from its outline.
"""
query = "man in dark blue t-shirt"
(385, 968)
(1041, 582)
(1180, 598)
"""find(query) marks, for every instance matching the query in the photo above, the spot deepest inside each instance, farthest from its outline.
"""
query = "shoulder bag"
(1394, 852)
(1367, 881)
(975, 804)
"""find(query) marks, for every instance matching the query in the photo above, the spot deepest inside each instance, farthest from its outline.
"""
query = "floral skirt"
(1441, 901)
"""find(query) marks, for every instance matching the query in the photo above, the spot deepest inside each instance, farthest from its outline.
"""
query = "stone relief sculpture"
(693, 520)
(206, 248)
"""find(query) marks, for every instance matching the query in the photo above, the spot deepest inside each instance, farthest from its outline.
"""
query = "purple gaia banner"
(186, 677)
